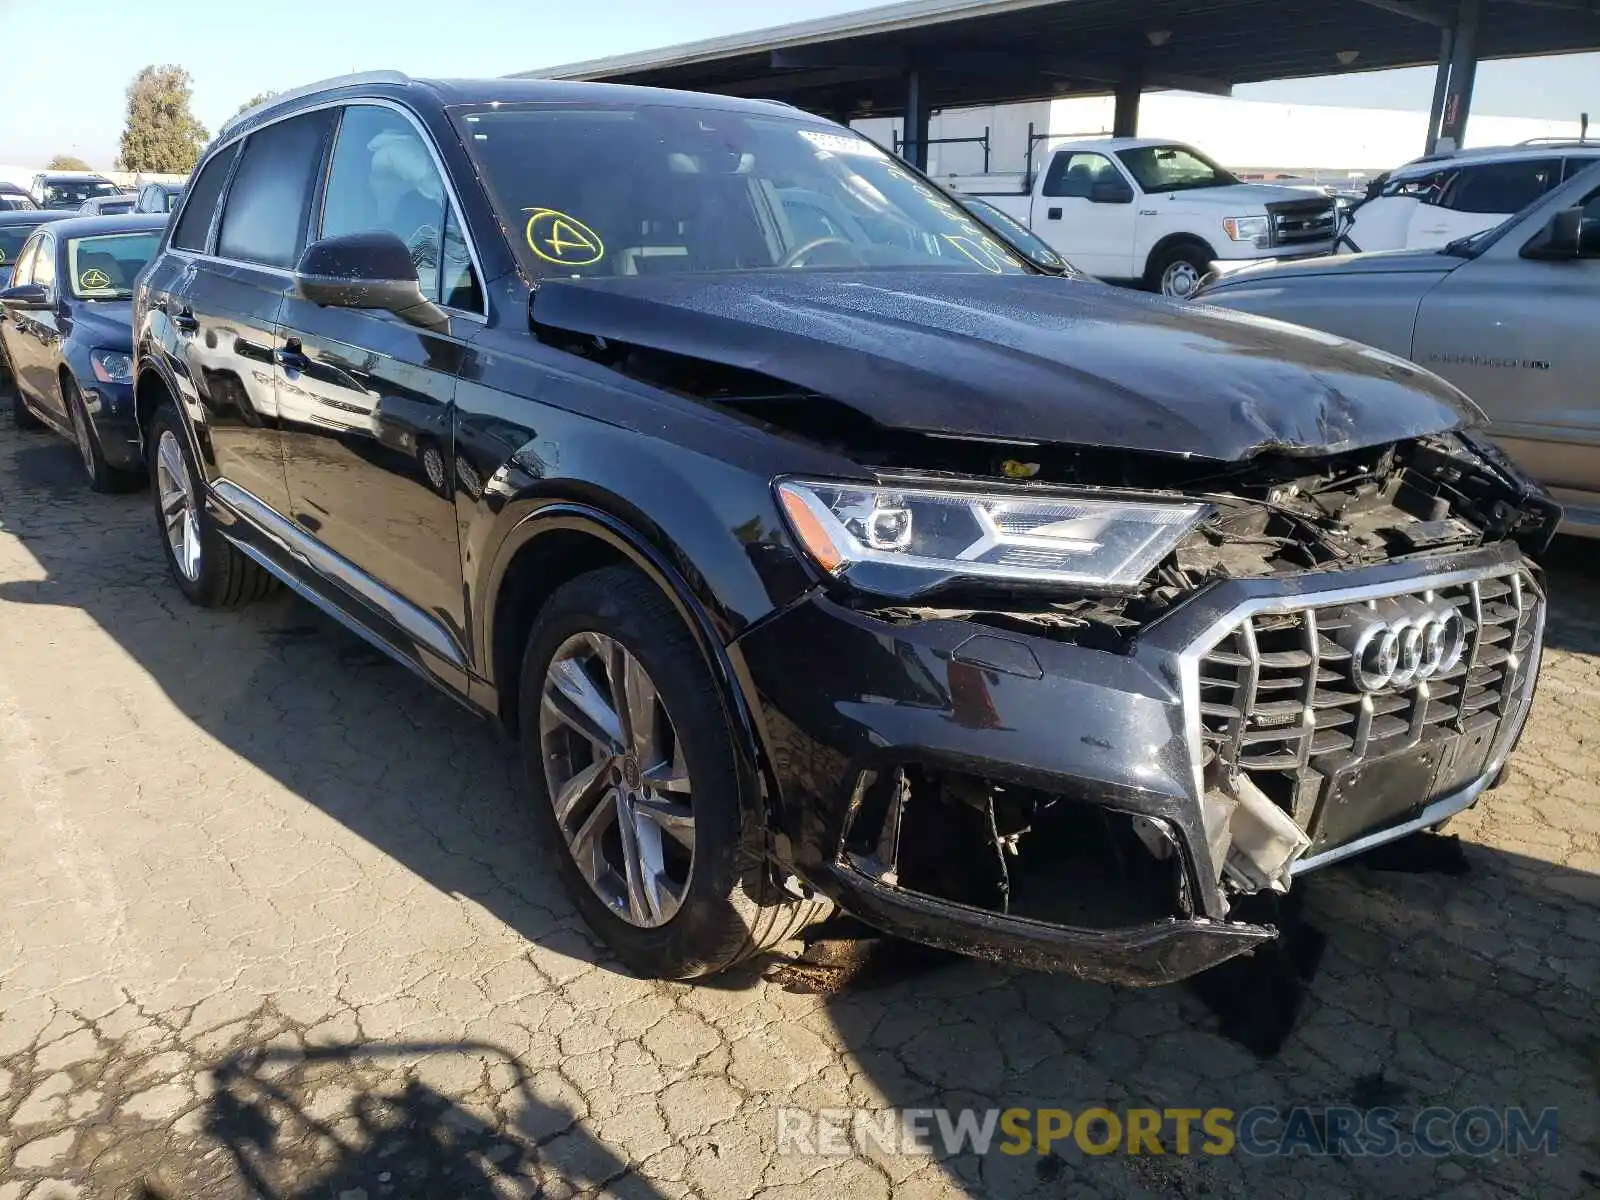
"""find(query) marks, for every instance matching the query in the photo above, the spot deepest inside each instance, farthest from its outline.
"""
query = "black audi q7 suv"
(818, 547)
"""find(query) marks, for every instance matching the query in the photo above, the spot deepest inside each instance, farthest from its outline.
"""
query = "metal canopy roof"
(971, 52)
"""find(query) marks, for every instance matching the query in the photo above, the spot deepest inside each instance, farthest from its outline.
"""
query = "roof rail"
(307, 89)
(1559, 141)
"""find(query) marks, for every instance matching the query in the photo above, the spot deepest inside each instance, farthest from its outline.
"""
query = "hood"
(1390, 262)
(104, 324)
(1244, 196)
(1031, 359)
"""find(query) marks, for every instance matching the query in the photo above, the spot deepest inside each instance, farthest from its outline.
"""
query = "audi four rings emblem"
(1396, 643)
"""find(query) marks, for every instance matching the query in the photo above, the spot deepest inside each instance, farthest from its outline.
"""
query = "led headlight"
(1249, 229)
(111, 366)
(912, 539)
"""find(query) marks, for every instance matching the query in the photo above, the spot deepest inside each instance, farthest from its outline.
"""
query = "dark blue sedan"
(66, 333)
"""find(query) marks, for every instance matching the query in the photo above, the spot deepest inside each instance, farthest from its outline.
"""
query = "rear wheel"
(633, 772)
(207, 567)
(103, 477)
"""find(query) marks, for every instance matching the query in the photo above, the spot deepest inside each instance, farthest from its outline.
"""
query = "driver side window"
(383, 177)
(44, 261)
(23, 271)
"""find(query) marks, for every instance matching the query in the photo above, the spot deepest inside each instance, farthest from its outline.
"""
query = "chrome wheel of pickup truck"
(1180, 279)
(617, 779)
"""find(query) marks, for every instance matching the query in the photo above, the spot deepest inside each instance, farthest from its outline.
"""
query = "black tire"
(731, 909)
(225, 578)
(103, 477)
(1180, 260)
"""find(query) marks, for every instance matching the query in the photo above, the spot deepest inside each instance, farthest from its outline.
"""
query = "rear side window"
(195, 219)
(264, 217)
(1074, 175)
(1503, 188)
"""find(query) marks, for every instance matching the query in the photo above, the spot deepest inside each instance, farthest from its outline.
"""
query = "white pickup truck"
(1154, 213)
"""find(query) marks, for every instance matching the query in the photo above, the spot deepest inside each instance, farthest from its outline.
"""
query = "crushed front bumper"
(844, 698)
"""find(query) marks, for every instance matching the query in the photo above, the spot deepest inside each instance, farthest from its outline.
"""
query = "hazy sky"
(71, 99)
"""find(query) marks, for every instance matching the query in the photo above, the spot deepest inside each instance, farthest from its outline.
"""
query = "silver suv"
(1509, 315)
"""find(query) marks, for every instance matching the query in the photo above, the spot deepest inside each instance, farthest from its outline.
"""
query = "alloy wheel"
(80, 432)
(616, 775)
(1180, 280)
(179, 512)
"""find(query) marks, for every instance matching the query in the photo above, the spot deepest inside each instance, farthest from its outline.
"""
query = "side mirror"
(27, 296)
(1562, 239)
(366, 270)
(1110, 191)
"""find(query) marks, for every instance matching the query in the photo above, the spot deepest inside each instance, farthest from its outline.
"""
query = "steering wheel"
(798, 255)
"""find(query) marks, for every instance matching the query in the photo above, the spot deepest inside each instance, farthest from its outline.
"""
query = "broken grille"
(1278, 697)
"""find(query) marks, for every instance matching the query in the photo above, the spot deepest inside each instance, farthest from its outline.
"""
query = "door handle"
(184, 318)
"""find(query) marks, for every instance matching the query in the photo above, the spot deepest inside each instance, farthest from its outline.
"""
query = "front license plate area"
(1377, 793)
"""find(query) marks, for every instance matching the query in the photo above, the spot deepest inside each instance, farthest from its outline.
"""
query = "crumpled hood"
(1023, 358)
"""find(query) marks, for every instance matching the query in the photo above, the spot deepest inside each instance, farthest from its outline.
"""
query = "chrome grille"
(1297, 222)
(1277, 696)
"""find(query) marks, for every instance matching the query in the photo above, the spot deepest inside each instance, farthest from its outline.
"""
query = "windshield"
(104, 267)
(71, 193)
(667, 190)
(1173, 169)
(11, 239)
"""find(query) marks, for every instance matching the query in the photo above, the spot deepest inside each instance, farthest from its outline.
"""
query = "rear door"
(224, 310)
(1518, 336)
(367, 399)
(1097, 238)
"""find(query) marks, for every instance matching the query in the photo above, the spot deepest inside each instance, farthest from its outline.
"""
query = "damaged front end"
(1342, 651)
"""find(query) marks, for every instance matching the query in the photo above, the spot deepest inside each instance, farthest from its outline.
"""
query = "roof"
(77, 176)
(484, 91)
(1429, 163)
(80, 225)
(33, 216)
(971, 52)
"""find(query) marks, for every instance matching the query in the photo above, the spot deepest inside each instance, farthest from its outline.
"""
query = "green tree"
(258, 98)
(66, 162)
(162, 134)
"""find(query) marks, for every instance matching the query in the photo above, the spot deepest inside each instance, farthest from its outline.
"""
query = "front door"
(367, 399)
(36, 331)
(1097, 238)
(15, 339)
(1517, 335)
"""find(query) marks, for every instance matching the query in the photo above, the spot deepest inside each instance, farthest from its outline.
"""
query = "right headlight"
(906, 540)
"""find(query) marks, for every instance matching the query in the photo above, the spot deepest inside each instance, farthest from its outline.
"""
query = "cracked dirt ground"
(270, 924)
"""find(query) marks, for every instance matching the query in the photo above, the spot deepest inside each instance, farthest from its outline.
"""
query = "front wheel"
(103, 477)
(210, 570)
(1176, 273)
(632, 767)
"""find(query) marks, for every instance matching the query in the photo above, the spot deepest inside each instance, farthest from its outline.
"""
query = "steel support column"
(914, 147)
(1463, 73)
(1441, 84)
(1125, 118)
